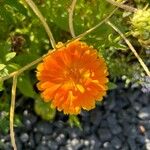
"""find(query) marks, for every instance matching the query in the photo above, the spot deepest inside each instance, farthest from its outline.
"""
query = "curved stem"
(12, 109)
(123, 6)
(42, 19)
(71, 10)
(131, 48)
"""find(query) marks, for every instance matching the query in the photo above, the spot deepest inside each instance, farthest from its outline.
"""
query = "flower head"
(73, 77)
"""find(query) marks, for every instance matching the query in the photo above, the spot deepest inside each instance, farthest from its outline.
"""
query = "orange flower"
(73, 77)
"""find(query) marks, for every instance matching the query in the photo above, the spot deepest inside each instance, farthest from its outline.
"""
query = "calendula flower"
(73, 77)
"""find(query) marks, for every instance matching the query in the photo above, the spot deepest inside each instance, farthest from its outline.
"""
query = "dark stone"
(58, 124)
(37, 137)
(132, 144)
(116, 142)
(31, 142)
(111, 105)
(44, 128)
(137, 106)
(62, 148)
(125, 147)
(24, 137)
(41, 147)
(86, 129)
(18, 143)
(144, 113)
(52, 145)
(27, 124)
(7, 146)
(111, 119)
(73, 132)
(75, 144)
(60, 139)
(104, 124)
(144, 99)
(107, 146)
(131, 131)
(145, 123)
(95, 117)
(29, 119)
(104, 134)
(95, 143)
(140, 139)
(122, 103)
(115, 129)
(133, 96)
(147, 134)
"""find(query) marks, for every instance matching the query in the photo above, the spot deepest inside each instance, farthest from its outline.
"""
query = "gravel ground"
(122, 122)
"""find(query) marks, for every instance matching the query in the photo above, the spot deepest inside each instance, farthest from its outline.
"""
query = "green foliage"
(44, 110)
(141, 26)
(4, 122)
(112, 85)
(74, 121)
(25, 86)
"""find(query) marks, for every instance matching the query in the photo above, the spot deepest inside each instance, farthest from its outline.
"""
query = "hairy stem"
(71, 10)
(123, 6)
(43, 21)
(12, 109)
(131, 48)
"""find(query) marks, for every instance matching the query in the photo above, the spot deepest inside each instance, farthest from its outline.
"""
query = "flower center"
(73, 74)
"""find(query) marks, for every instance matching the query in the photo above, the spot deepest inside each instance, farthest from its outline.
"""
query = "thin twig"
(41, 58)
(123, 6)
(43, 21)
(131, 48)
(71, 10)
(12, 109)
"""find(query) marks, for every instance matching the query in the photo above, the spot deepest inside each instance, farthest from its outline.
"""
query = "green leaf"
(17, 121)
(4, 49)
(44, 110)
(6, 15)
(1, 86)
(17, 6)
(2, 66)
(25, 86)
(12, 67)
(10, 55)
(74, 121)
(4, 122)
(24, 59)
(112, 86)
